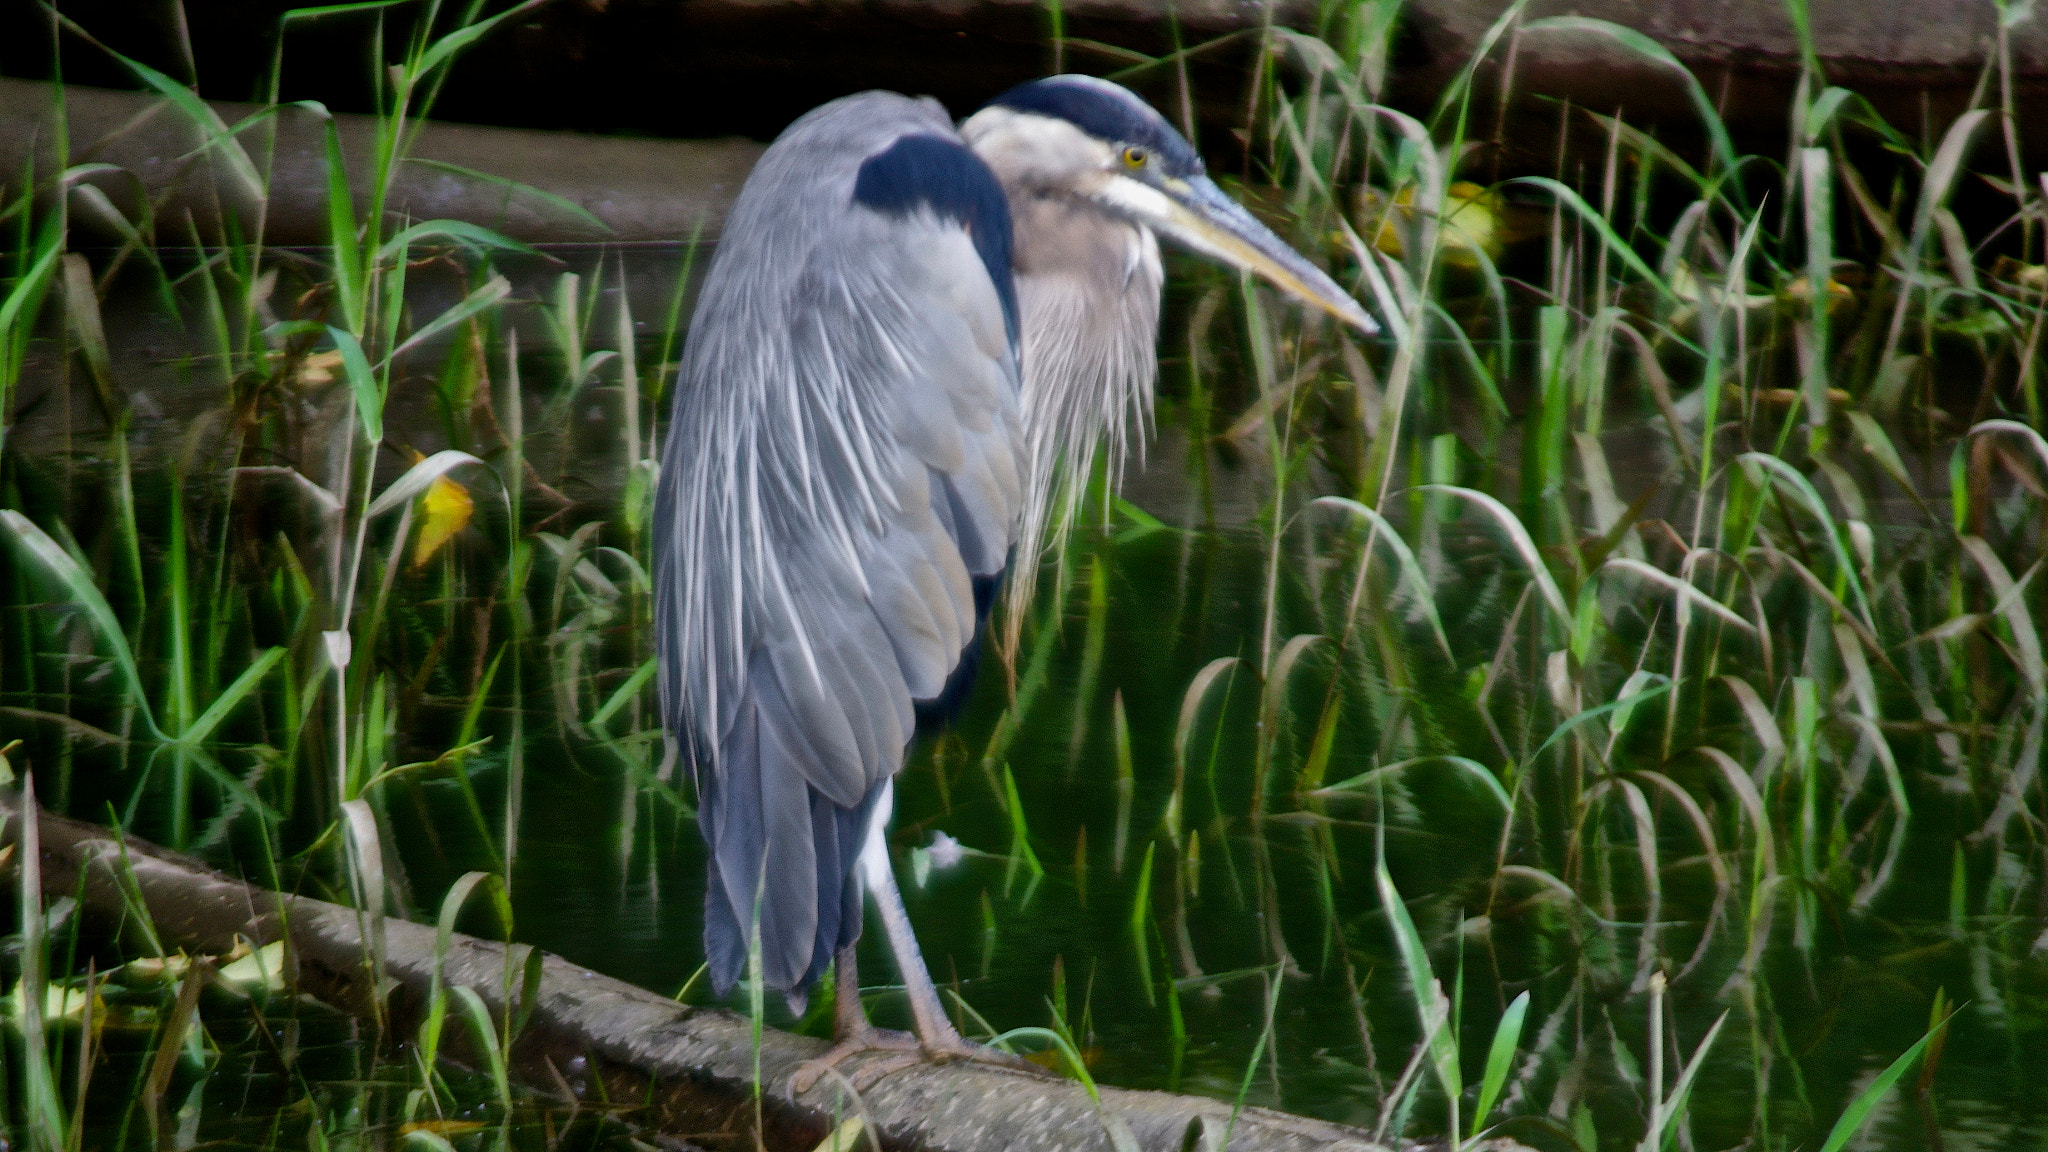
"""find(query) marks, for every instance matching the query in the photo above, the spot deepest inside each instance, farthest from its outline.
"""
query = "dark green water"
(1819, 1021)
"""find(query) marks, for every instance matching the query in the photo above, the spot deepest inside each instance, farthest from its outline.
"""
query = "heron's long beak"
(1197, 214)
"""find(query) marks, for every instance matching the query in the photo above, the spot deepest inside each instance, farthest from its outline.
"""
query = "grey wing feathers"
(842, 462)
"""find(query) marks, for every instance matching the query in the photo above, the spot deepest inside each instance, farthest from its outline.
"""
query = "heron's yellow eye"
(1135, 157)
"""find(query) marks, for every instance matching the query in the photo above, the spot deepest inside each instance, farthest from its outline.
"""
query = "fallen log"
(627, 190)
(597, 1038)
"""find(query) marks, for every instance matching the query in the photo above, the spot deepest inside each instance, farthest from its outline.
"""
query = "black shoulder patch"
(926, 171)
(1108, 112)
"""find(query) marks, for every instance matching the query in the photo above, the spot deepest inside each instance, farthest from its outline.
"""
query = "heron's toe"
(903, 1048)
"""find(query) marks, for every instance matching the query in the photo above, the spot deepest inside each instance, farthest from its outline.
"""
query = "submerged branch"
(692, 1070)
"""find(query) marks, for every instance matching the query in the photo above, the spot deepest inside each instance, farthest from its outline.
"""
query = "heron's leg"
(852, 1034)
(936, 1037)
(934, 1030)
(935, 1033)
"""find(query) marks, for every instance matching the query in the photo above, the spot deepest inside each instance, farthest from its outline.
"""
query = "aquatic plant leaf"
(444, 511)
(625, 693)
(85, 594)
(1458, 90)
(444, 49)
(1798, 485)
(562, 204)
(342, 237)
(1468, 766)
(1625, 702)
(1674, 1105)
(1499, 1058)
(487, 295)
(199, 112)
(1644, 46)
(225, 703)
(28, 287)
(1519, 535)
(1858, 1112)
(474, 237)
(1683, 589)
(362, 382)
(444, 934)
(1411, 572)
(1430, 1004)
(417, 479)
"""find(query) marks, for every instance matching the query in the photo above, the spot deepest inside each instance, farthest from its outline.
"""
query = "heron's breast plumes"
(1088, 292)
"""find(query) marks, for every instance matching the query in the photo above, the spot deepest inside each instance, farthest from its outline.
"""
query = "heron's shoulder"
(926, 174)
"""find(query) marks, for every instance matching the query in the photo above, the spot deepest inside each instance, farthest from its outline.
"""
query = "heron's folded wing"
(845, 462)
(907, 487)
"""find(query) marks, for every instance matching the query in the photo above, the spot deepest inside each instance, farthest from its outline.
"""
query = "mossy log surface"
(594, 1038)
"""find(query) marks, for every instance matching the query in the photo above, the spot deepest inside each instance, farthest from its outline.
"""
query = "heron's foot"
(903, 1048)
(951, 1047)
(898, 1051)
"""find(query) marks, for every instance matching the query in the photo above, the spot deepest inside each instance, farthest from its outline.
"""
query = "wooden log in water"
(622, 190)
(598, 1038)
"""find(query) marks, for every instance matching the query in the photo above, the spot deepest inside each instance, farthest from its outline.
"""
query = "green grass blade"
(46, 1116)
(362, 382)
(339, 9)
(487, 295)
(1141, 915)
(1466, 765)
(444, 936)
(561, 204)
(1674, 1105)
(1499, 1059)
(83, 592)
(233, 695)
(475, 238)
(1796, 483)
(1412, 575)
(342, 238)
(417, 478)
(1519, 536)
(1430, 1006)
(1625, 702)
(28, 288)
(1641, 45)
(625, 693)
(444, 49)
(486, 1038)
(200, 113)
(1605, 231)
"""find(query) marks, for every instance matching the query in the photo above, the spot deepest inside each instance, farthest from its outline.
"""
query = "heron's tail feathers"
(781, 867)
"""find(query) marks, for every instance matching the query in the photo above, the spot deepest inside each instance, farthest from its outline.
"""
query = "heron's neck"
(1088, 298)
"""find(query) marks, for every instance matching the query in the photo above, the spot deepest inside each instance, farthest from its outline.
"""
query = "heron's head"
(1089, 138)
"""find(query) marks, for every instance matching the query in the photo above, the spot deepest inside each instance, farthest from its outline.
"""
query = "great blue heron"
(907, 333)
